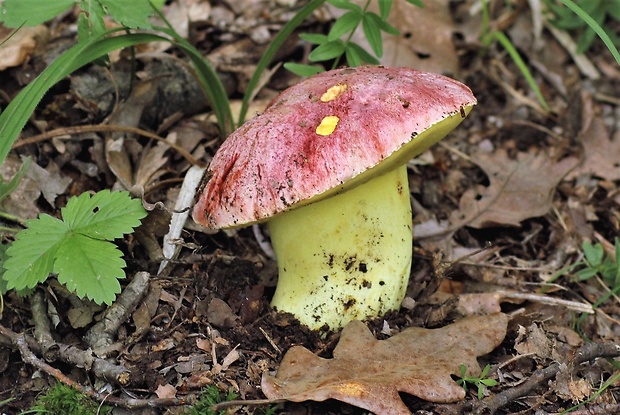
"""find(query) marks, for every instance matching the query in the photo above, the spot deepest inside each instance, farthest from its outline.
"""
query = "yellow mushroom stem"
(346, 257)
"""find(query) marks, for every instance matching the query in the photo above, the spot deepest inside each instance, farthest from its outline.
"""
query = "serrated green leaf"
(373, 34)
(134, 14)
(326, 51)
(90, 20)
(345, 24)
(3, 258)
(303, 70)
(90, 268)
(105, 215)
(345, 5)
(314, 38)
(31, 256)
(15, 13)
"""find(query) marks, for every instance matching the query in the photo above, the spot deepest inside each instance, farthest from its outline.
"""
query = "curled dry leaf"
(369, 373)
(519, 189)
(16, 46)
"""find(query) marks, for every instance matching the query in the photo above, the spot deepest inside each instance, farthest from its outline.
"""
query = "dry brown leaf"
(601, 156)
(16, 46)
(369, 373)
(166, 391)
(519, 189)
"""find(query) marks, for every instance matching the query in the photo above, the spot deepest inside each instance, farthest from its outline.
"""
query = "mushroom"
(325, 167)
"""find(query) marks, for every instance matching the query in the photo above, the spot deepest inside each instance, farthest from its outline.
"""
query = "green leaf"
(76, 248)
(488, 382)
(3, 258)
(31, 256)
(353, 58)
(593, 253)
(15, 13)
(134, 14)
(373, 34)
(586, 273)
(362, 53)
(303, 70)
(90, 20)
(105, 215)
(90, 268)
(326, 51)
(7, 188)
(345, 5)
(345, 24)
(383, 25)
(418, 3)
(384, 8)
(314, 38)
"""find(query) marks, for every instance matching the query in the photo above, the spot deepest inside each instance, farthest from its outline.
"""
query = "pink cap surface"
(280, 159)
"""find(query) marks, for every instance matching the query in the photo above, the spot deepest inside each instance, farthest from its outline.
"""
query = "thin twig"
(105, 128)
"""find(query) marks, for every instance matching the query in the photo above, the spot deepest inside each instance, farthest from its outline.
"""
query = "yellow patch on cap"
(333, 92)
(327, 125)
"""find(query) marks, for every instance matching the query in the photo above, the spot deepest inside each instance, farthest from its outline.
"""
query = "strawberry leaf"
(90, 267)
(31, 256)
(76, 248)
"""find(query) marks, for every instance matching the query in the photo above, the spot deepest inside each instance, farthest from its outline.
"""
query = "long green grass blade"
(273, 48)
(525, 71)
(594, 26)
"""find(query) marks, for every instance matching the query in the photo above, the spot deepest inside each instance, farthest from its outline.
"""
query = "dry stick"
(102, 334)
(52, 350)
(105, 128)
(42, 327)
(585, 353)
(23, 343)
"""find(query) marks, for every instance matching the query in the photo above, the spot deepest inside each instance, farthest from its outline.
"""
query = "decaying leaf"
(519, 189)
(369, 373)
(16, 46)
(601, 153)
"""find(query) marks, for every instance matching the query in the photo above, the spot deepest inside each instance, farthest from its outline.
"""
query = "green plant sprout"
(333, 47)
(209, 397)
(63, 399)
(490, 35)
(572, 19)
(480, 382)
(78, 248)
(596, 262)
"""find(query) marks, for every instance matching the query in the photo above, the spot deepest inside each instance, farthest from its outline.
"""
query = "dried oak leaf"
(601, 156)
(369, 373)
(518, 189)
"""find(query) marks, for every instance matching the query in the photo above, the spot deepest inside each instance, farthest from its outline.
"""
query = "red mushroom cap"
(296, 152)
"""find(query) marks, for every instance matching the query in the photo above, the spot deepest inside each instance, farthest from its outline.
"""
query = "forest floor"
(502, 208)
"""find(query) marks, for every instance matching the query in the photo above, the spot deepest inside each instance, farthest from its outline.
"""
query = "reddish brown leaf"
(369, 373)
(519, 189)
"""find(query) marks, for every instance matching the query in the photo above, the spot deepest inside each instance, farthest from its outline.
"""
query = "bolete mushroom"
(325, 167)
